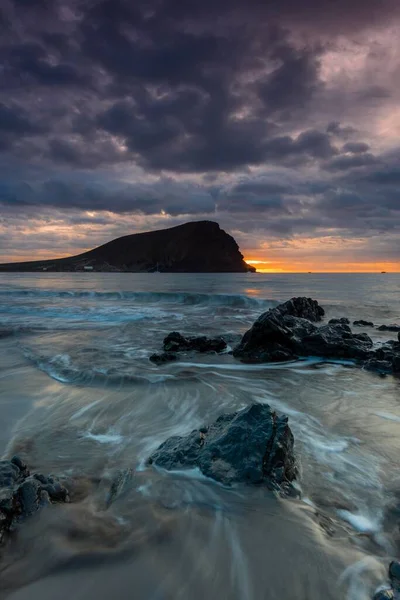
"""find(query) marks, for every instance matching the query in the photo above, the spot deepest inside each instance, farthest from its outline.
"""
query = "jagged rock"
(253, 445)
(163, 357)
(393, 327)
(277, 333)
(362, 323)
(305, 308)
(176, 342)
(385, 359)
(336, 341)
(22, 494)
(277, 336)
(341, 320)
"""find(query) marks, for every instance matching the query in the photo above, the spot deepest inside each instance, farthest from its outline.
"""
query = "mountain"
(196, 247)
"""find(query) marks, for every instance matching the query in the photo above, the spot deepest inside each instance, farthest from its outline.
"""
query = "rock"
(383, 595)
(252, 446)
(302, 307)
(393, 327)
(362, 323)
(23, 494)
(342, 320)
(336, 341)
(385, 359)
(176, 342)
(277, 336)
(394, 577)
(162, 358)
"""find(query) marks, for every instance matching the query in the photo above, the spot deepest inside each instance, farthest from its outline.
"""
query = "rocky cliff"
(196, 247)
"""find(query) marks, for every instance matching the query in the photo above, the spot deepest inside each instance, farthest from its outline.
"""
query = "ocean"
(79, 398)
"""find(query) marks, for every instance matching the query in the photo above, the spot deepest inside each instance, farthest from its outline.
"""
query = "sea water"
(79, 398)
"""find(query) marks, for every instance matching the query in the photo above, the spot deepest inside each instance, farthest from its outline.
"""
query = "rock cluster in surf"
(22, 493)
(176, 342)
(253, 446)
(288, 332)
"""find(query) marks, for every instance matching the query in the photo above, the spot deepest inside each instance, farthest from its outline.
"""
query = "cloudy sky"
(279, 119)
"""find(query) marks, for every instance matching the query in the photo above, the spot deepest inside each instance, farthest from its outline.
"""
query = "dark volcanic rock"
(22, 494)
(277, 333)
(278, 336)
(176, 342)
(385, 359)
(341, 320)
(336, 341)
(163, 357)
(253, 445)
(195, 247)
(305, 308)
(362, 323)
(393, 327)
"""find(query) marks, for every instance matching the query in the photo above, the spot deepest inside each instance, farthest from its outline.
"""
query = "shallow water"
(79, 398)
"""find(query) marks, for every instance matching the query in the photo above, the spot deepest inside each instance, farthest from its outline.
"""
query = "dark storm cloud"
(239, 107)
(342, 131)
(343, 163)
(355, 147)
(29, 63)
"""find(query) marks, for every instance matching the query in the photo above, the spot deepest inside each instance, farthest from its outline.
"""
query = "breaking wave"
(186, 298)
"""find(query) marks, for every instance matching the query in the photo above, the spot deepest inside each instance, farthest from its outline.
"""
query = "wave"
(187, 298)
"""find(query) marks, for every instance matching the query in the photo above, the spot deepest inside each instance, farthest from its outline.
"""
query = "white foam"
(84, 409)
(330, 445)
(388, 416)
(104, 438)
(359, 522)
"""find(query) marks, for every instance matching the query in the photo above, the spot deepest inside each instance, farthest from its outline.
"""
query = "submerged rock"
(362, 323)
(392, 327)
(22, 494)
(252, 446)
(163, 357)
(176, 342)
(342, 320)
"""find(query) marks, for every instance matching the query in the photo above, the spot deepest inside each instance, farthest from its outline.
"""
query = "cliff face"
(197, 247)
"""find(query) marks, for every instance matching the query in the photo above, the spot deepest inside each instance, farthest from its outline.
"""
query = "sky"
(278, 119)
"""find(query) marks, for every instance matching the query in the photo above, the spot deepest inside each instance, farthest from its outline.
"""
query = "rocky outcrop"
(341, 320)
(22, 493)
(176, 342)
(279, 336)
(362, 323)
(393, 327)
(197, 247)
(252, 446)
(163, 357)
(336, 341)
(385, 359)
